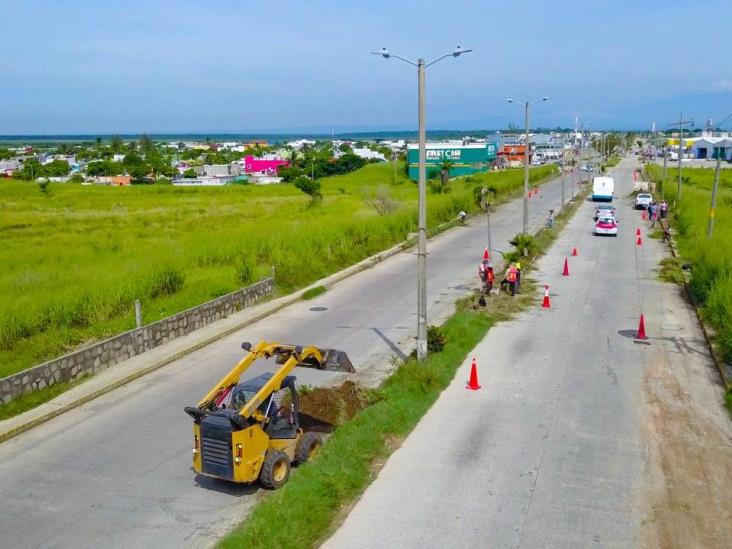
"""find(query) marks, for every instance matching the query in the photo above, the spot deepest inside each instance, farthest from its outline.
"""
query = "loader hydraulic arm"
(296, 357)
(291, 355)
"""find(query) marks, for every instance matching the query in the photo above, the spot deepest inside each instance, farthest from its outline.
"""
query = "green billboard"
(462, 159)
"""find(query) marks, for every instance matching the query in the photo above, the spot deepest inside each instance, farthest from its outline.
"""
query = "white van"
(603, 189)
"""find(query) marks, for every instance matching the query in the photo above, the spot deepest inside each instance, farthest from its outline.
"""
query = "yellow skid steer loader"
(250, 431)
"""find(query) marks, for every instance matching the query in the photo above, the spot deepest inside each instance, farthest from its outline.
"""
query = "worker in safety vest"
(511, 278)
(485, 272)
(518, 275)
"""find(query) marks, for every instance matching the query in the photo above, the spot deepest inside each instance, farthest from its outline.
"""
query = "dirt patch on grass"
(333, 406)
(690, 459)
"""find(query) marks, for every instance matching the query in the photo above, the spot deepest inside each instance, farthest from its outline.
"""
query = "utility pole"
(394, 159)
(422, 247)
(487, 206)
(526, 169)
(663, 179)
(681, 123)
(710, 226)
(527, 104)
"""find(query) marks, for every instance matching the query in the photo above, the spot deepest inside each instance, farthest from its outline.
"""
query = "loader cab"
(280, 408)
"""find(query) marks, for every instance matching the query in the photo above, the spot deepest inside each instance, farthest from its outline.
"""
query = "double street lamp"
(527, 105)
(422, 228)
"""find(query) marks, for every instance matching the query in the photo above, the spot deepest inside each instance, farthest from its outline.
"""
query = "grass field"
(75, 259)
(711, 259)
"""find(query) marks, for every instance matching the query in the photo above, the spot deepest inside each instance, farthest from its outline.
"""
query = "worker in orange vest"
(511, 278)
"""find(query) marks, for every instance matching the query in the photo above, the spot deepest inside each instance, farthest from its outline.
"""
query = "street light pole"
(422, 196)
(422, 245)
(526, 169)
(527, 104)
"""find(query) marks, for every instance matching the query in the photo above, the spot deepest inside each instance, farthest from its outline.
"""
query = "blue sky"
(84, 66)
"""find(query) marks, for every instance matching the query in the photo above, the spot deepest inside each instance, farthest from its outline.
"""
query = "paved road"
(116, 472)
(552, 452)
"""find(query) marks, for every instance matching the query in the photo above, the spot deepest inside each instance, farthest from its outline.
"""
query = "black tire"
(275, 470)
(307, 447)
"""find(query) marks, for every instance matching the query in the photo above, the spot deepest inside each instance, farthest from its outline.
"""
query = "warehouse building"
(463, 159)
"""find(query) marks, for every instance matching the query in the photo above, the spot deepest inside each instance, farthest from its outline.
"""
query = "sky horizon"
(228, 66)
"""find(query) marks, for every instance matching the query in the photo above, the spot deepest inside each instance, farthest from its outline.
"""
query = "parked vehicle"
(603, 188)
(606, 226)
(643, 200)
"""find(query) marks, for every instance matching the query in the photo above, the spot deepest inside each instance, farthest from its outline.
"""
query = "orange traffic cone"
(486, 255)
(637, 232)
(565, 272)
(639, 242)
(545, 304)
(641, 329)
(574, 252)
(473, 384)
(644, 217)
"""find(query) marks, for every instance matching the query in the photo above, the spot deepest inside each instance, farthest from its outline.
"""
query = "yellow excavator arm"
(289, 356)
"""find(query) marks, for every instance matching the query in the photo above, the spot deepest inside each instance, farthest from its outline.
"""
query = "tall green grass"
(711, 259)
(73, 261)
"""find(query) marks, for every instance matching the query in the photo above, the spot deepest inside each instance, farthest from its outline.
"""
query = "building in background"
(463, 159)
(268, 164)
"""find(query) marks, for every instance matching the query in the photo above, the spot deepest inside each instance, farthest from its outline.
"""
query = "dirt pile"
(324, 408)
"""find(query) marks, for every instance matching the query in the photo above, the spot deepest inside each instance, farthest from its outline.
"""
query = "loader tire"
(307, 447)
(275, 470)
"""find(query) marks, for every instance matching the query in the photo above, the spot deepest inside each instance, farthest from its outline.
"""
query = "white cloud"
(722, 86)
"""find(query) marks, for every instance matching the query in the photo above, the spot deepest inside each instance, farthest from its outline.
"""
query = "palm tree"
(445, 166)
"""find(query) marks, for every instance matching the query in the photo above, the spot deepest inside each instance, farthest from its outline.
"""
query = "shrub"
(245, 272)
(435, 339)
(167, 281)
(309, 186)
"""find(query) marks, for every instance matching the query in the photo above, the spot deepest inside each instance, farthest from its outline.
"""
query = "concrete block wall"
(108, 352)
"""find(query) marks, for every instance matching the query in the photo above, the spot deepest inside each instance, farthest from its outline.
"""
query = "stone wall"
(104, 354)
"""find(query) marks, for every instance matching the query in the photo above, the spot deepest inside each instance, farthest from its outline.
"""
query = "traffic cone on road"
(565, 272)
(639, 242)
(637, 232)
(545, 304)
(473, 384)
(641, 329)
(574, 252)
(486, 255)
(644, 217)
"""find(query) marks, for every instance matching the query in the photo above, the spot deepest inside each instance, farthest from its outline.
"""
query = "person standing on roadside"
(664, 209)
(655, 209)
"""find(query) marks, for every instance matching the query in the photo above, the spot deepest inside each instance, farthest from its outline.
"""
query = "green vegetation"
(29, 401)
(612, 161)
(314, 292)
(711, 259)
(75, 260)
(308, 508)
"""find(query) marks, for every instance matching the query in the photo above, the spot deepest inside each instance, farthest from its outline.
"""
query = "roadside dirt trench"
(690, 456)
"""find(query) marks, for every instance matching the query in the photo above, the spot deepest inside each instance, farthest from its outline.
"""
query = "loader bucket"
(333, 361)
(337, 361)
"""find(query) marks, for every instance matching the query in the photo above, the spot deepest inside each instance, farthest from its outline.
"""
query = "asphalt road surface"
(117, 471)
(554, 451)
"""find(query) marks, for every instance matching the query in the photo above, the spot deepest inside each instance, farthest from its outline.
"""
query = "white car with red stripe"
(606, 226)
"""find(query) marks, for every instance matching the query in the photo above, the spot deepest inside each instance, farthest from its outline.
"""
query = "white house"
(368, 154)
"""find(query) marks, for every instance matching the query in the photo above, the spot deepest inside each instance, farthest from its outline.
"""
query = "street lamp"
(422, 199)
(526, 105)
